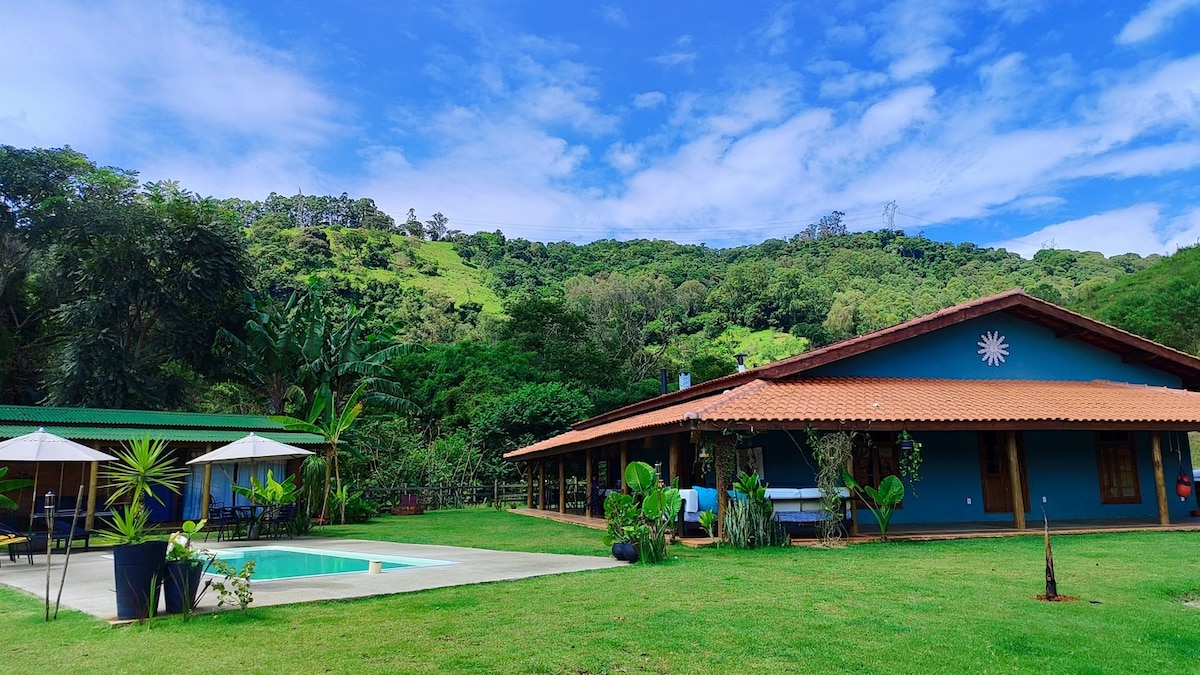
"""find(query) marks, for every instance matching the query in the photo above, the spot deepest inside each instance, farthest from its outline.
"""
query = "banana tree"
(327, 421)
(270, 358)
(8, 486)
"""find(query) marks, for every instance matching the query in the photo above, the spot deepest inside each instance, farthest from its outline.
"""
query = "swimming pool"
(291, 562)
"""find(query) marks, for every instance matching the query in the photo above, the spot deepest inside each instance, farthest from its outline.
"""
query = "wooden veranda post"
(720, 465)
(673, 463)
(1014, 479)
(853, 509)
(89, 521)
(206, 486)
(529, 485)
(587, 477)
(1160, 483)
(541, 484)
(562, 484)
(624, 463)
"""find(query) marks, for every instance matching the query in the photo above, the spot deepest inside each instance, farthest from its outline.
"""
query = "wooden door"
(995, 474)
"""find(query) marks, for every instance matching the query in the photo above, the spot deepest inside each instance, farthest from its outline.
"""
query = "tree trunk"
(1051, 584)
(337, 473)
(325, 503)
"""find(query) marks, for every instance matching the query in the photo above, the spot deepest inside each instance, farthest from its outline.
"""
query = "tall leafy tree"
(150, 279)
(35, 185)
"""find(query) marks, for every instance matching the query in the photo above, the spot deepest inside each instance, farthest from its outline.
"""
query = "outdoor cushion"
(691, 500)
(707, 498)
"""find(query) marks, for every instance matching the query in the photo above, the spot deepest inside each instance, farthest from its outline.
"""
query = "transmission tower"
(889, 214)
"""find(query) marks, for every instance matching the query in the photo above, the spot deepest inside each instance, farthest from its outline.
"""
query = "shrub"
(750, 520)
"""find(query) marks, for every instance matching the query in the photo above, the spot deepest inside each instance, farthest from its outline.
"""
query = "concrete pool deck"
(89, 584)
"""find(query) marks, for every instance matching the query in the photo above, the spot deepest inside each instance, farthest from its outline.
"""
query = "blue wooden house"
(1018, 405)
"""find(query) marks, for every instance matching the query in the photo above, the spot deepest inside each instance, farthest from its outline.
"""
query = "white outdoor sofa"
(792, 505)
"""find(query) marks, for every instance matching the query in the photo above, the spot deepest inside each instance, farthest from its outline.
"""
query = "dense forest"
(115, 293)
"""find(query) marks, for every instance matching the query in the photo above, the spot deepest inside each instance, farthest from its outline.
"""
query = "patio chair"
(224, 520)
(279, 521)
(61, 532)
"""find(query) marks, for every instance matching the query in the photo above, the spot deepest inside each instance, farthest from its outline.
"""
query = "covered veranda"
(1038, 414)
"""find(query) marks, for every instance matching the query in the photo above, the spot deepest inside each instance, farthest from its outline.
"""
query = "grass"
(961, 606)
(454, 279)
(763, 346)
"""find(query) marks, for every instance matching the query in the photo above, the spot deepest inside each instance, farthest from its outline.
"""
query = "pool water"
(290, 562)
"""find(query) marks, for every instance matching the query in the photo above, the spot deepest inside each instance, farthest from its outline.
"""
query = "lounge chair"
(18, 543)
(61, 532)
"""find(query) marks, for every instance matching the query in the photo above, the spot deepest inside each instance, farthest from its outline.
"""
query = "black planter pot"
(137, 572)
(624, 550)
(180, 584)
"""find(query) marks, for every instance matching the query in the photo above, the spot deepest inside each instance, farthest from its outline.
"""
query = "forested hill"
(1161, 302)
(119, 294)
(822, 284)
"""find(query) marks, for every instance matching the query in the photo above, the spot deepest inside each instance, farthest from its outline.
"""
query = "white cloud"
(623, 157)
(840, 80)
(649, 99)
(674, 58)
(1153, 19)
(1015, 11)
(885, 120)
(846, 34)
(159, 85)
(1130, 230)
(1183, 231)
(614, 15)
(776, 33)
(913, 36)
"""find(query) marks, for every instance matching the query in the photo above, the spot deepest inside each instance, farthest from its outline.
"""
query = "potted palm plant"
(143, 465)
(185, 565)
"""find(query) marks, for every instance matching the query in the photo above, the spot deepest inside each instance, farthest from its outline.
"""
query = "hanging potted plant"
(143, 465)
(906, 442)
(185, 565)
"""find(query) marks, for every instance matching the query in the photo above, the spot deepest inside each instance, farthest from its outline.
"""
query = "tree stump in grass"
(1051, 583)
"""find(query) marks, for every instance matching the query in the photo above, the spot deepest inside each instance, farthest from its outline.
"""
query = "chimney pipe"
(741, 357)
(662, 379)
(685, 380)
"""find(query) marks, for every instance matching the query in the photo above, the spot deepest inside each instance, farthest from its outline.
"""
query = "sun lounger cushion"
(707, 498)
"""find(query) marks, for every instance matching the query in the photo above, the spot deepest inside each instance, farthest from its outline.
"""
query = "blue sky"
(1009, 123)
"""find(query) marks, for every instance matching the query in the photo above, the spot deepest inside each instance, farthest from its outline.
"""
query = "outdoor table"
(248, 515)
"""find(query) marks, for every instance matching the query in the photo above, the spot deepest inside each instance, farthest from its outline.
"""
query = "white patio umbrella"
(250, 449)
(42, 446)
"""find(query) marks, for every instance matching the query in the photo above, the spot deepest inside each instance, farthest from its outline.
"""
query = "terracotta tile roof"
(1129, 346)
(900, 402)
(878, 399)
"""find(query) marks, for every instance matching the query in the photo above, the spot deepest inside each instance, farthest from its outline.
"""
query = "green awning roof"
(34, 416)
(80, 433)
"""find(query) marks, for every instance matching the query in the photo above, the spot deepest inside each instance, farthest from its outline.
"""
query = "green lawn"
(963, 606)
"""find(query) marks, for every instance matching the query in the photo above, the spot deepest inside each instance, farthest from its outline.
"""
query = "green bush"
(750, 519)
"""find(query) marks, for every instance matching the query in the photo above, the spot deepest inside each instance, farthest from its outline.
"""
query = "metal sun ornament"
(992, 348)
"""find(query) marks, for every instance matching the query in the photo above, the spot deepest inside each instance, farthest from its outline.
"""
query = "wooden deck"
(917, 532)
